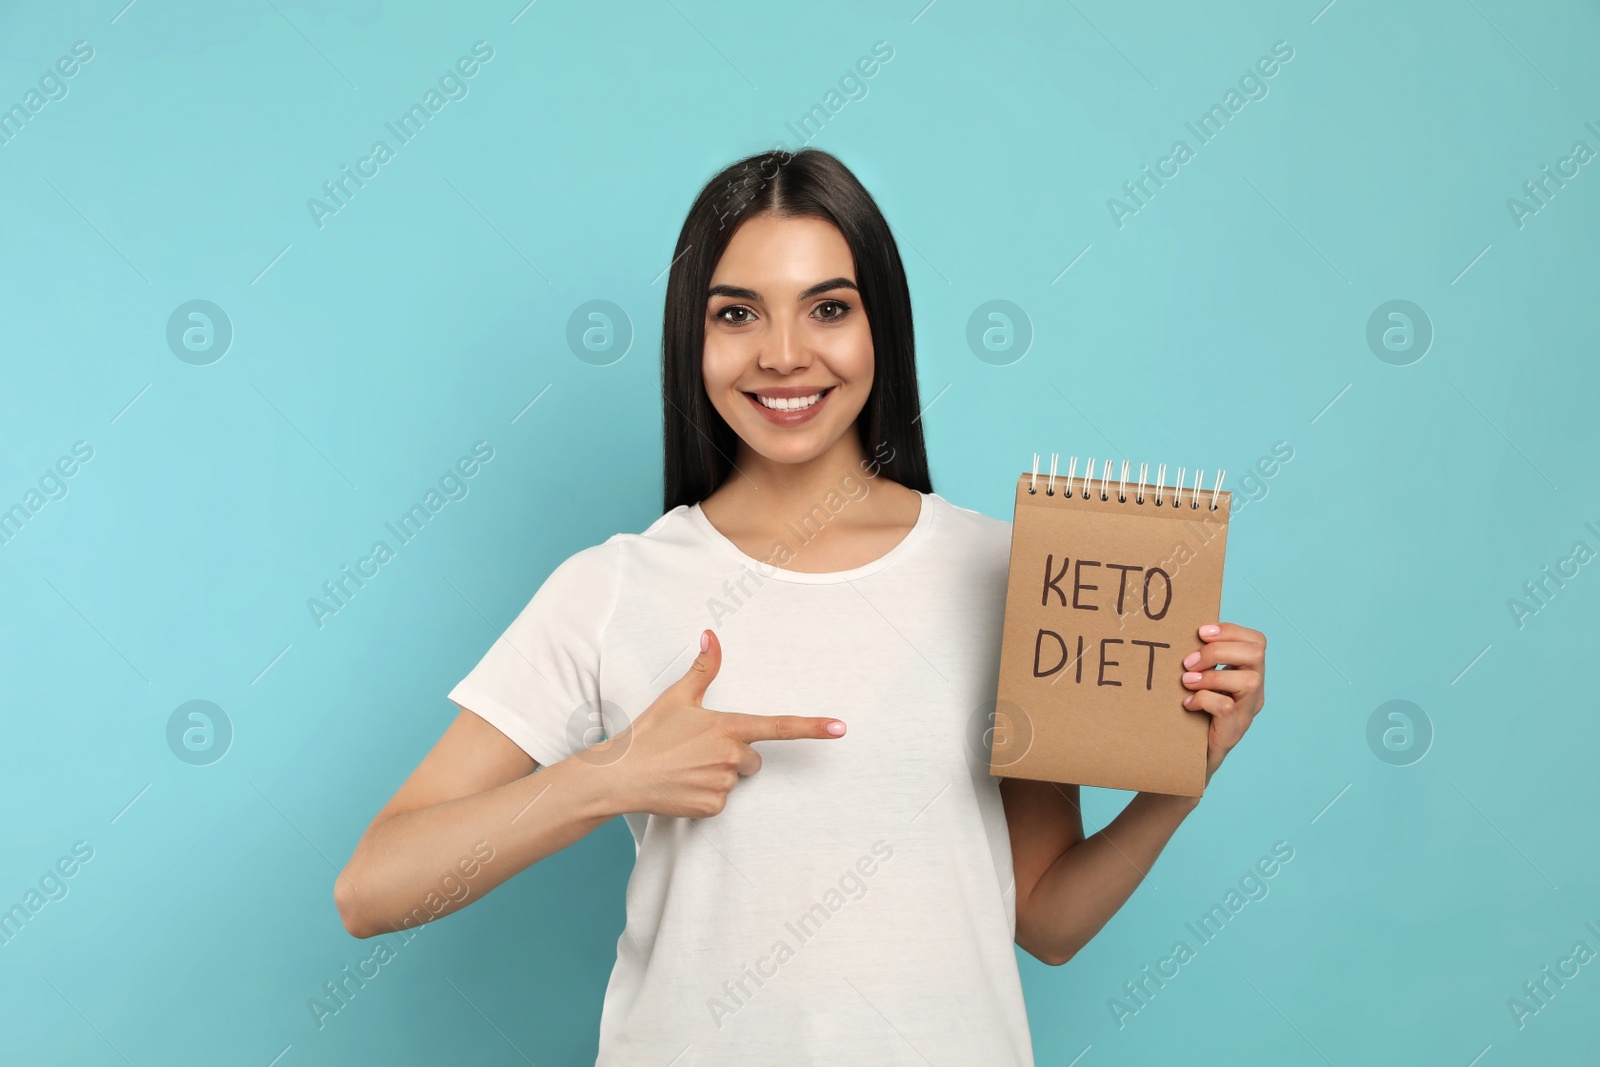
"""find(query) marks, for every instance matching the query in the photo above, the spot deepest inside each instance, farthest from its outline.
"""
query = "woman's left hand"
(1232, 696)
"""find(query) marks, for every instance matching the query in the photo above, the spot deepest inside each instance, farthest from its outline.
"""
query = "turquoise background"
(1227, 315)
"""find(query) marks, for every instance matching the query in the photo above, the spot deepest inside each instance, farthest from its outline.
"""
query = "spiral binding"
(1105, 481)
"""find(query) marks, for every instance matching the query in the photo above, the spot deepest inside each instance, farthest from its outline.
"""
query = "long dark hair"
(699, 443)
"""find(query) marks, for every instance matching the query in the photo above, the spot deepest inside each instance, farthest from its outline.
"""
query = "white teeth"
(798, 403)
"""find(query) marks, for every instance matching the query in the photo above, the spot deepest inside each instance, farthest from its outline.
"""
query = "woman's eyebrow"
(739, 293)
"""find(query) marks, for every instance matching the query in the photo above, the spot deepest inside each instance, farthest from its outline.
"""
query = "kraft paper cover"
(1112, 716)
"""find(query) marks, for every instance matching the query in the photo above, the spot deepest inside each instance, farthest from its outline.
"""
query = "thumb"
(703, 670)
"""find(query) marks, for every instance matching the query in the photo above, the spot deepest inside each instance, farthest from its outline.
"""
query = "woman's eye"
(738, 314)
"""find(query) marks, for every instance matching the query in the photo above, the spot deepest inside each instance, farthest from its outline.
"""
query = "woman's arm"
(474, 813)
(474, 795)
(1068, 887)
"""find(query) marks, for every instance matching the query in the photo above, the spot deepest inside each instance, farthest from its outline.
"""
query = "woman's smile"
(788, 406)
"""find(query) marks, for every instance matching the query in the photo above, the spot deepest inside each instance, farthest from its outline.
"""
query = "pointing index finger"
(749, 728)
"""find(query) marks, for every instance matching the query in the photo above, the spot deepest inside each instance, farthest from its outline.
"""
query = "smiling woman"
(757, 345)
(788, 371)
(853, 675)
(790, 289)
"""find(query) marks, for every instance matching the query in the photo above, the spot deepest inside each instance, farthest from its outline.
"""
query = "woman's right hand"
(680, 758)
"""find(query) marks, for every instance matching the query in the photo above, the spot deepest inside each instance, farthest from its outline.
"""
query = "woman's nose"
(784, 350)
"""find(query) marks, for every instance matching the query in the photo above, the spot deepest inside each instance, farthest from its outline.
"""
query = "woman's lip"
(790, 418)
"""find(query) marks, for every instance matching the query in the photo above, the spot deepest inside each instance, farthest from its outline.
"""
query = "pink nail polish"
(1210, 631)
(705, 640)
(1191, 659)
(836, 728)
(1192, 676)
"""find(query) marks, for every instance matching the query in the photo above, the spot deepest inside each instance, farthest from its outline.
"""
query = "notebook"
(1110, 580)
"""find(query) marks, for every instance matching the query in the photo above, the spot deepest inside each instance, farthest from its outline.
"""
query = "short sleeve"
(539, 683)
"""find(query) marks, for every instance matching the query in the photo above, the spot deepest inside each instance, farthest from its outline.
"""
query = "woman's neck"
(834, 512)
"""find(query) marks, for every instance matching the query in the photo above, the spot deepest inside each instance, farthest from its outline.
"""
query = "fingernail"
(836, 728)
(1187, 699)
(1191, 659)
(1191, 677)
(705, 640)
(1210, 631)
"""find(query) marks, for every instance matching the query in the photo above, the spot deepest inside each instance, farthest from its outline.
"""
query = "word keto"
(851, 886)
(411, 123)
(338, 991)
(452, 488)
(52, 886)
(1211, 123)
(1581, 153)
(1539, 992)
(1252, 886)
(52, 86)
(832, 103)
(1581, 554)
(782, 552)
(1148, 594)
(52, 486)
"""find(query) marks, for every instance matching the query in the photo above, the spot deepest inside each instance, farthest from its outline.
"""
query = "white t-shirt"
(853, 902)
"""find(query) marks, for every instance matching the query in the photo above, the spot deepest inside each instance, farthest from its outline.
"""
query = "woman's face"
(788, 351)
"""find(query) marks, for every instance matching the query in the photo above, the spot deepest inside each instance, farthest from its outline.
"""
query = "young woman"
(794, 666)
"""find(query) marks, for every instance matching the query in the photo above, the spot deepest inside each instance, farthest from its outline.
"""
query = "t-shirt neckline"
(918, 531)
